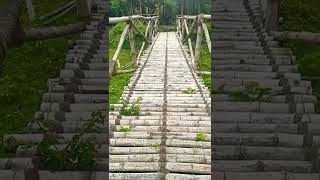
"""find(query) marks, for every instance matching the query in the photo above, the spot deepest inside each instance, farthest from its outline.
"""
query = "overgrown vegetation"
(125, 128)
(25, 72)
(130, 110)
(303, 15)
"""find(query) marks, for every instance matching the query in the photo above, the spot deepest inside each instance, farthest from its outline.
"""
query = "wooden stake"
(132, 44)
(206, 33)
(30, 9)
(198, 44)
(189, 42)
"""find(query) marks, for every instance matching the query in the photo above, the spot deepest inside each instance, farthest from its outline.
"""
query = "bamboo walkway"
(272, 139)
(162, 140)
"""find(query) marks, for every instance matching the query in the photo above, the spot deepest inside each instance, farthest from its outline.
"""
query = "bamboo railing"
(130, 30)
(185, 26)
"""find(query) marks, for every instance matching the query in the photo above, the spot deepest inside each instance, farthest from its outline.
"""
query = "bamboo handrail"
(115, 20)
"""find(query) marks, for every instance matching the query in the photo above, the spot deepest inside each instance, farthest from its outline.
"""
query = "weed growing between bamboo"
(189, 90)
(201, 136)
(130, 110)
(76, 155)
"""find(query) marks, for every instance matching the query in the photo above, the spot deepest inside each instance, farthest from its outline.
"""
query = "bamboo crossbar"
(115, 20)
(205, 16)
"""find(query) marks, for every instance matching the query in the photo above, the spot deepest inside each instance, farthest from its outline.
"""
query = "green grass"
(26, 69)
(303, 15)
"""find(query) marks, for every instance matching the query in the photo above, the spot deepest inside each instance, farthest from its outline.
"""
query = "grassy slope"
(304, 15)
(26, 70)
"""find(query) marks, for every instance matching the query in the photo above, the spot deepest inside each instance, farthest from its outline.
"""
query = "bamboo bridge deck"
(169, 118)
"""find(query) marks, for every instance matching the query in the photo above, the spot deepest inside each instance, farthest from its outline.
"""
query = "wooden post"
(206, 33)
(198, 43)
(150, 31)
(84, 7)
(30, 9)
(132, 44)
(183, 32)
(271, 14)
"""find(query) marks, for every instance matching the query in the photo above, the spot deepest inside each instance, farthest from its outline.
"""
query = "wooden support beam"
(115, 20)
(301, 36)
(30, 10)
(271, 13)
(206, 33)
(132, 45)
(124, 71)
(189, 42)
(203, 72)
(84, 7)
(198, 44)
(112, 69)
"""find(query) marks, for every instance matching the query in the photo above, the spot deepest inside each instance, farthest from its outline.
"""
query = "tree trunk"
(11, 33)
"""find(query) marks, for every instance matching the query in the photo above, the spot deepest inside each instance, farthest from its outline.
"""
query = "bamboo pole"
(150, 31)
(302, 36)
(198, 44)
(205, 16)
(116, 54)
(183, 31)
(30, 9)
(206, 33)
(132, 44)
(179, 31)
(124, 71)
(189, 42)
(115, 20)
